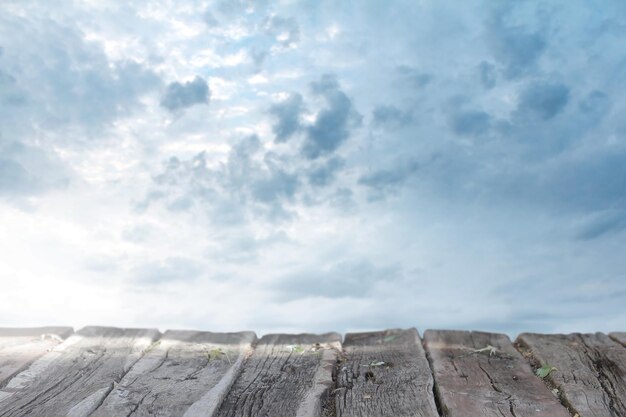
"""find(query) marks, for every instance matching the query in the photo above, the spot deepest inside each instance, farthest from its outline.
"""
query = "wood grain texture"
(619, 337)
(591, 370)
(74, 378)
(187, 373)
(286, 376)
(384, 374)
(21, 347)
(470, 382)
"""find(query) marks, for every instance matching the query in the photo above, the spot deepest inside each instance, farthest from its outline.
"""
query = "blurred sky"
(314, 165)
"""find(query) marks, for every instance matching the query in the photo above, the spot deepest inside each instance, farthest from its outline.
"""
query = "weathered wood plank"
(286, 376)
(13, 336)
(591, 370)
(21, 347)
(619, 337)
(384, 374)
(481, 374)
(74, 378)
(187, 373)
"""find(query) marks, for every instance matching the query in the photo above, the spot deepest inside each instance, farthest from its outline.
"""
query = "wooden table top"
(106, 371)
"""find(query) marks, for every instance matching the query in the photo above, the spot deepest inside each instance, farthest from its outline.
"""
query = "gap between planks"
(589, 370)
(482, 374)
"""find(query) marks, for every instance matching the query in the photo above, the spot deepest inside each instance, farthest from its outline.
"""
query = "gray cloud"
(286, 30)
(288, 114)
(258, 55)
(249, 185)
(413, 77)
(326, 173)
(11, 94)
(239, 7)
(209, 18)
(179, 96)
(487, 74)
(25, 171)
(584, 186)
(71, 83)
(332, 124)
(385, 181)
(391, 117)
(14, 178)
(470, 122)
(516, 47)
(58, 91)
(274, 186)
(596, 104)
(593, 182)
(543, 99)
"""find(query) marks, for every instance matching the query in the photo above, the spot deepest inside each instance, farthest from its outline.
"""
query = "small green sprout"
(297, 349)
(217, 353)
(544, 371)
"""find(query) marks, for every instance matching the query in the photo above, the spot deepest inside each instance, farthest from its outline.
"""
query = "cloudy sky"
(314, 165)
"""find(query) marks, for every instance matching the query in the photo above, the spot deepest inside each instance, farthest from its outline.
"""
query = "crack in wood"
(484, 383)
(607, 374)
(286, 375)
(590, 376)
(385, 373)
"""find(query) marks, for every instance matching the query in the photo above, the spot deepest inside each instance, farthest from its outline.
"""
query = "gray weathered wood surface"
(286, 376)
(475, 380)
(591, 370)
(619, 337)
(187, 373)
(384, 374)
(74, 378)
(21, 347)
(102, 372)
